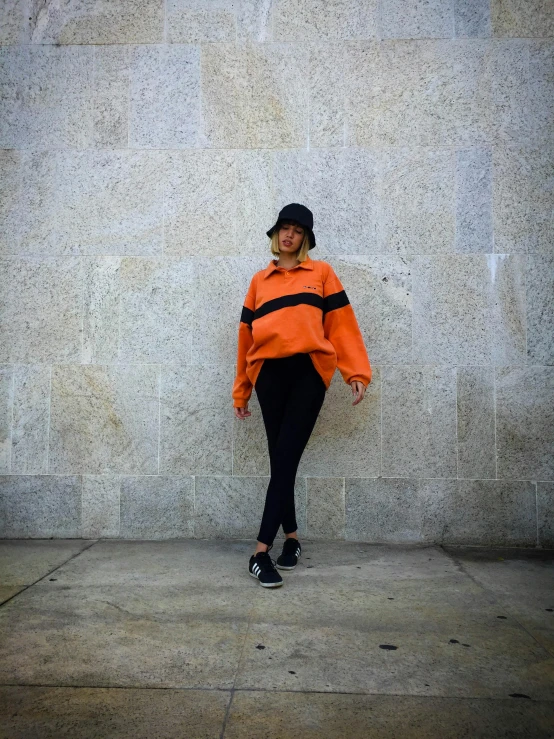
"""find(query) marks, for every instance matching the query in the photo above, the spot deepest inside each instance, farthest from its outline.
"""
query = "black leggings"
(291, 392)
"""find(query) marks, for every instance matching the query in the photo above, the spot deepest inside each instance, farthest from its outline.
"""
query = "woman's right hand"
(242, 412)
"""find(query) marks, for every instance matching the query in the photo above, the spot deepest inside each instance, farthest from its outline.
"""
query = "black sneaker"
(288, 559)
(262, 567)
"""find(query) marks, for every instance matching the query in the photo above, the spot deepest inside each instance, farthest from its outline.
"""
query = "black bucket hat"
(299, 214)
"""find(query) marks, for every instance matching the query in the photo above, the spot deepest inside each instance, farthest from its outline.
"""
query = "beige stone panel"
(419, 421)
(217, 21)
(199, 21)
(196, 421)
(508, 308)
(111, 96)
(540, 192)
(254, 96)
(437, 499)
(418, 201)
(40, 507)
(413, 19)
(351, 660)
(220, 286)
(104, 419)
(473, 196)
(254, 21)
(432, 92)
(469, 309)
(156, 507)
(314, 20)
(476, 423)
(382, 510)
(540, 308)
(101, 309)
(140, 712)
(100, 506)
(327, 94)
(30, 419)
(41, 308)
(233, 507)
(10, 193)
(156, 310)
(6, 414)
(46, 96)
(346, 440)
(516, 18)
(91, 202)
(325, 511)
(362, 91)
(510, 112)
(523, 199)
(164, 96)
(14, 26)
(471, 18)
(90, 22)
(379, 289)
(511, 204)
(486, 512)
(341, 187)
(326, 716)
(200, 203)
(541, 91)
(545, 514)
(250, 448)
(255, 209)
(525, 422)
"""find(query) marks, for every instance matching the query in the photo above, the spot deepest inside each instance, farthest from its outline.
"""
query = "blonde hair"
(301, 254)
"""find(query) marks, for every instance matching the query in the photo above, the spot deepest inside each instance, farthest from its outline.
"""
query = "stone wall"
(146, 147)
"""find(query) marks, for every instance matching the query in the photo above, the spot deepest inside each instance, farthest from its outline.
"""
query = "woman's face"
(291, 236)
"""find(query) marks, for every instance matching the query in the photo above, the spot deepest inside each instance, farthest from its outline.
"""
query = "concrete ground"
(119, 638)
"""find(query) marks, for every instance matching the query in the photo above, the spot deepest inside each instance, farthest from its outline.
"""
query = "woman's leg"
(271, 388)
(300, 392)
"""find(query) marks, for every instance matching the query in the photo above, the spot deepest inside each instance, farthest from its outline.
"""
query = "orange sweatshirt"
(303, 309)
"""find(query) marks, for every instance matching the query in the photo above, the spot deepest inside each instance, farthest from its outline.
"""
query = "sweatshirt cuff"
(360, 378)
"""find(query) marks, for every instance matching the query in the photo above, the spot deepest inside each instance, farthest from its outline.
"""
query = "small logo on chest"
(310, 286)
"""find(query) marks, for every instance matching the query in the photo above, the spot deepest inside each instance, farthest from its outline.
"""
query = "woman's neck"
(287, 261)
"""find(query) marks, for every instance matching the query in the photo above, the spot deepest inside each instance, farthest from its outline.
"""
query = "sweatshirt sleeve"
(242, 387)
(342, 330)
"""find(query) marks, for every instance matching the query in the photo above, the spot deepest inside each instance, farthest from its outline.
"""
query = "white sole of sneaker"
(268, 584)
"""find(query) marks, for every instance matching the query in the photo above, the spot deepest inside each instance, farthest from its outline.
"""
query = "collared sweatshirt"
(302, 309)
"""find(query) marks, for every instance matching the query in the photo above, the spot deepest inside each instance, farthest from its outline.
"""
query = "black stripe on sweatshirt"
(331, 302)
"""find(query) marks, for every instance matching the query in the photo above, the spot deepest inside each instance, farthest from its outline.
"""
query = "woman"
(296, 327)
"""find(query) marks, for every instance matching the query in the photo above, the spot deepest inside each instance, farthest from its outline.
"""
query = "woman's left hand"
(358, 391)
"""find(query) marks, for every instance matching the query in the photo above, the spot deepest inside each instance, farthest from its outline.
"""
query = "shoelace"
(265, 561)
